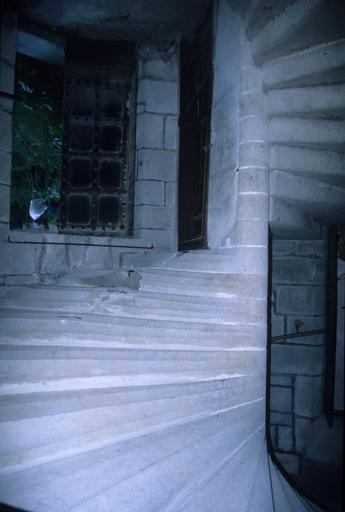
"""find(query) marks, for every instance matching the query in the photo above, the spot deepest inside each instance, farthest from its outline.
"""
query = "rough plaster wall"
(224, 125)
(155, 212)
(299, 274)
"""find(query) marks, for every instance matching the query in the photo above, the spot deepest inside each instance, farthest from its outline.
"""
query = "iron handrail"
(298, 334)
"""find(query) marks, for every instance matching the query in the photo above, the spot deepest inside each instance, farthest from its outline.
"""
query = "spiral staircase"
(151, 397)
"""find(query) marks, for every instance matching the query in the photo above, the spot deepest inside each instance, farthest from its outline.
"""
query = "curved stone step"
(46, 364)
(320, 65)
(163, 455)
(16, 322)
(31, 441)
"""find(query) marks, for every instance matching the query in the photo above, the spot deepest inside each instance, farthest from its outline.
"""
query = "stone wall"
(28, 258)
(298, 304)
(155, 213)
(8, 45)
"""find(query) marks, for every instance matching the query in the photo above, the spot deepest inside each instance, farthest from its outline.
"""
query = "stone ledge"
(24, 237)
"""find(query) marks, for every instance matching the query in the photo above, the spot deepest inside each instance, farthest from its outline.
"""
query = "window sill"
(22, 237)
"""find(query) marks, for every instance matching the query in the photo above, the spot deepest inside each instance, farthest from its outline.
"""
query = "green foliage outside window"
(37, 134)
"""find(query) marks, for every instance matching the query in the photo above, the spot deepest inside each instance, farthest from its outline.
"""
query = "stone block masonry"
(8, 46)
(155, 213)
(298, 304)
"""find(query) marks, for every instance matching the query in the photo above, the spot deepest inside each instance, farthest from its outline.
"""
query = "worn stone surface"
(5, 167)
(285, 438)
(18, 259)
(4, 203)
(280, 418)
(296, 299)
(281, 399)
(170, 132)
(150, 130)
(290, 462)
(150, 192)
(298, 270)
(308, 396)
(298, 359)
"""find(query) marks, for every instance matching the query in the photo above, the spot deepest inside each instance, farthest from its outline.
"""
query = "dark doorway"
(195, 115)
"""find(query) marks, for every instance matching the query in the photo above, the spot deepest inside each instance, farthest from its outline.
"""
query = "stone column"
(251, 226)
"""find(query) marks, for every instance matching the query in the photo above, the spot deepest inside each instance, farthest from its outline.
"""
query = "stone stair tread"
(107, 467)
(20, 407)
(34, 440)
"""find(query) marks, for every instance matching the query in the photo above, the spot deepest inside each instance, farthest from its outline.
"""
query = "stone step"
(115, 414)
(323, 102)
(49, 323)
(260, 498)
(304, 23)
(158, 310)
(308, 133)
(295, 501)
(119, 471)
(325, 166)
(30, 405)
(153, 297)
(31, 364)
(233, 260)
(290, 223)
(322, 201)
(323, 64)
(202, 284)
(279, 495)
(225, 480)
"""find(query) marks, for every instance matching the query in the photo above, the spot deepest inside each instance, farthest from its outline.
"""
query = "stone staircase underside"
(148, 399)
(300, 46)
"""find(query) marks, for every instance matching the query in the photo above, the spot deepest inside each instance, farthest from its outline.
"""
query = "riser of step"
(322, 201)
(20, 366)
(308, 133)
(234, 260)
(31, 439)
(203, 285)
(325, 166)
(317, 102)
(324, 64)
(33, 405)
(303, 24)
(188, 446)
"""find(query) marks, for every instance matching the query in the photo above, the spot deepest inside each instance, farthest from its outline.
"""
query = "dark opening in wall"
(37, 136)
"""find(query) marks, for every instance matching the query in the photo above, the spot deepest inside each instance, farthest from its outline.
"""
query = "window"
(74, 141)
